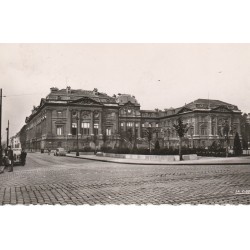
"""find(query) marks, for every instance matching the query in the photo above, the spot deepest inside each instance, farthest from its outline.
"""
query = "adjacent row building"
(94, 119)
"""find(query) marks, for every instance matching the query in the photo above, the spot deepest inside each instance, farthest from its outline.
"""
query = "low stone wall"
(149, 157)
(86, 153)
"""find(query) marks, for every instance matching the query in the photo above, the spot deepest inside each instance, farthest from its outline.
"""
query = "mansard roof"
(68, 95)
(75, 94)
(210, 104)
(202, 105)
(122, 99)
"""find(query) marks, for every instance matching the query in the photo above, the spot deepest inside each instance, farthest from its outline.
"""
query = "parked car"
(60, 152)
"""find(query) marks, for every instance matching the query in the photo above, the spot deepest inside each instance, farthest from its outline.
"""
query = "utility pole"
(1, 96)
(1, 152)
(8, 133)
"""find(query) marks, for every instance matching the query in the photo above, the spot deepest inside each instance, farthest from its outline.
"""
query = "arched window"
(203, 130)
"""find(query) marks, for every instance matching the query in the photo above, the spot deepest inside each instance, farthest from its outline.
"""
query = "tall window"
(213, 130)
(59, 130)
(96, 127)
(108, 131)
(191, 131)
(137, 129)
(130, 124)
(85, 128)
(203, 131)
(74, 128)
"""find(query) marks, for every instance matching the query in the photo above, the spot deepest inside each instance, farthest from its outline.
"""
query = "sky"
(158, 75)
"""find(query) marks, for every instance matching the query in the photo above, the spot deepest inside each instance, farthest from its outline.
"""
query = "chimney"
(95, 91)
(53, 89)
(68, 90)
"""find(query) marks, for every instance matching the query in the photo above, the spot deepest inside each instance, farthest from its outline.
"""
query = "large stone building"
(98, 119)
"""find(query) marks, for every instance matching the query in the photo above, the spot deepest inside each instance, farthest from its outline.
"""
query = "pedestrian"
(10, 155)
(5, 161)
(23, 156)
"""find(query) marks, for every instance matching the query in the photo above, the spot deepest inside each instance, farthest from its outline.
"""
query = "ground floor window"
(96, 127)
(74, 128)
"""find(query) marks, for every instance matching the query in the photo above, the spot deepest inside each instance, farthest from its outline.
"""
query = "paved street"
(47, 179)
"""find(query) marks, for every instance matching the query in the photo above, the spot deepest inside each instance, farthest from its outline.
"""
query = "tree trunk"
(227, 147)
(180, 145)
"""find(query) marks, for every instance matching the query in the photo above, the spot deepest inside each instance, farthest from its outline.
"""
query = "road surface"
(47, 179)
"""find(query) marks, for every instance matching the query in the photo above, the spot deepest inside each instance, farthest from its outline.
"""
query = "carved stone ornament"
(86, 114)
(222, 109)
(96, 114)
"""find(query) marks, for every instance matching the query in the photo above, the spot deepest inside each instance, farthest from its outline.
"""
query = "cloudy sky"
(159, 75)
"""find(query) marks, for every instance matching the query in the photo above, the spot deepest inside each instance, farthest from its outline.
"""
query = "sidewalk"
(201, 161)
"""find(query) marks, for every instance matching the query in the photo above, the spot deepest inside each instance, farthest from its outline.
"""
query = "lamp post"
(77, 147)
(7, 129)
(1, 97)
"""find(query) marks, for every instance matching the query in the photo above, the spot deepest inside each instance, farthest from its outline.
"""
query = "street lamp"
(7, 129)
(77, 147)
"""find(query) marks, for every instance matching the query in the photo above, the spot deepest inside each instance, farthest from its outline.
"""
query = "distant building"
(15, 141)
(118, 121)
(206, 120)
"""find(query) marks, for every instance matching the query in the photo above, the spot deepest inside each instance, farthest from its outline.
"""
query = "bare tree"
(181, 129)
(149, 136)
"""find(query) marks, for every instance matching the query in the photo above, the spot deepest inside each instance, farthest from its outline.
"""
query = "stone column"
(210, 126)
(125, 125)
(100, 123)
(68, 124)
(92, 123)
(49, 122)
(139, 129)
(196, 126)
(133, 129)
(117, 122)
(79, 122)
(216, 125)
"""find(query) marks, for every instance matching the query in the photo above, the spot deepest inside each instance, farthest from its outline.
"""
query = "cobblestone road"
(47, 179)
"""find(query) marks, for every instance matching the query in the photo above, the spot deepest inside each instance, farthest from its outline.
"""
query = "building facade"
(94, 119)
